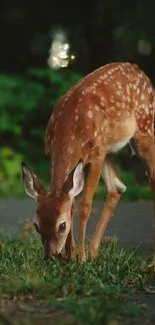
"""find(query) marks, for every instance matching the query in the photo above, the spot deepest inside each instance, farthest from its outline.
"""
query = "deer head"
(53, 208)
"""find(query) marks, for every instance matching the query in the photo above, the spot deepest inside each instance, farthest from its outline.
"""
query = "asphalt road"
(132, 223)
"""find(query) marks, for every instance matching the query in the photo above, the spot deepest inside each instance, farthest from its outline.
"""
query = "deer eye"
(62, 227)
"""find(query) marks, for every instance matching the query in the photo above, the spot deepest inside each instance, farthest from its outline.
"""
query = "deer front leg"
(70, 244)
(114, 188)
(92, 180)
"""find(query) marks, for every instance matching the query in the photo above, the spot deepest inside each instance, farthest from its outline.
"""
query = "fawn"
(99, 115)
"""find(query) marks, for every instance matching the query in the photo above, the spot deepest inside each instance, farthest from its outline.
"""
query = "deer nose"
(48, 258)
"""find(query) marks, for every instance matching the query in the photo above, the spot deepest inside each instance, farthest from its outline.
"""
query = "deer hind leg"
(145, 148)
(92, 179)
(114, 190)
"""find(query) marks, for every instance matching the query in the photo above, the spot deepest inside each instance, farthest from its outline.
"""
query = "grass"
(72, 293)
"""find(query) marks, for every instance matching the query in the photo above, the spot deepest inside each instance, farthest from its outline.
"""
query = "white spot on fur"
(89, 114)
(123, 105)
(83, 144)
(70, 150)
(146, 109)
(128, 99)
(142, 97)
(149, 131)
(128, 89)
(112, 108)
(144, 85)
(138, 91)
(102, 103)
(118, 104)
(97, 108)
(119, 85)
(149, 90)
(118, 93)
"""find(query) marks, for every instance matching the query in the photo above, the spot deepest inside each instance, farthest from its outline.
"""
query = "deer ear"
(78, 180)
(32, 185)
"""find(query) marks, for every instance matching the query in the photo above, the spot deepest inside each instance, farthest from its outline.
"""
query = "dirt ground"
(32, 312)
(40, 312)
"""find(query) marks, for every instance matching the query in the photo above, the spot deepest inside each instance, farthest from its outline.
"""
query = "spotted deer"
(99, 115)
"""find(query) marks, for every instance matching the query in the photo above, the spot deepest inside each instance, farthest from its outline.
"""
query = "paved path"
(132, 223)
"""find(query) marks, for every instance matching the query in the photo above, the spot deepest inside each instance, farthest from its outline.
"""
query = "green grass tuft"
(92, 292)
